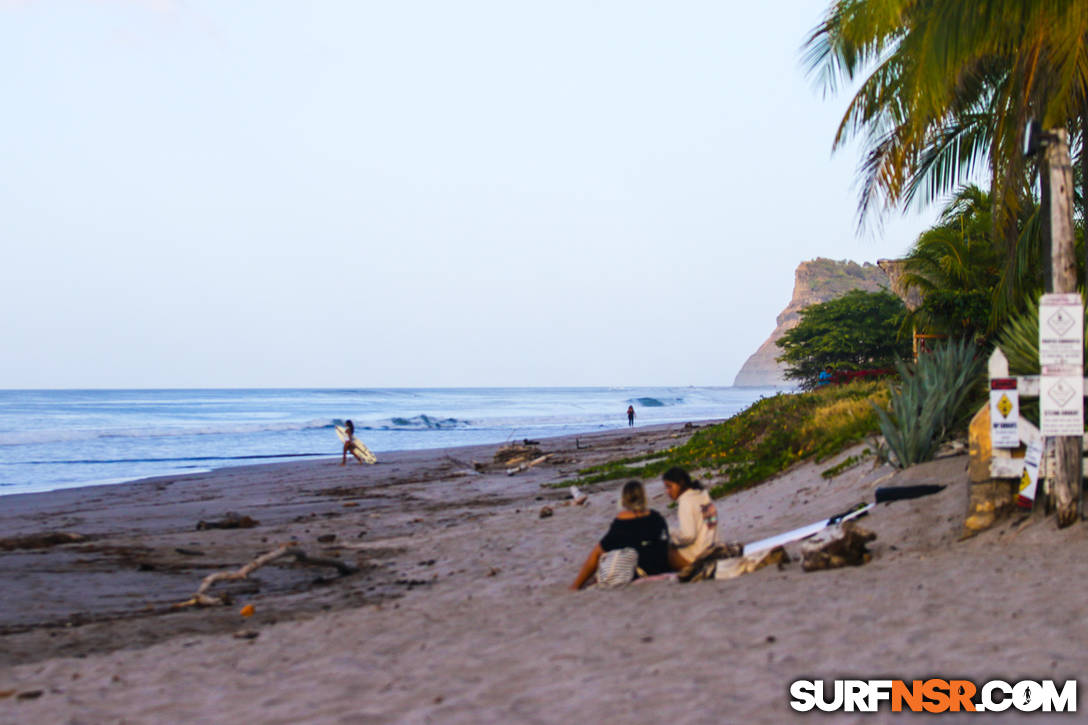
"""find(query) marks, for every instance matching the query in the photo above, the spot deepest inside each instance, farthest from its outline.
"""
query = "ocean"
(55, 439)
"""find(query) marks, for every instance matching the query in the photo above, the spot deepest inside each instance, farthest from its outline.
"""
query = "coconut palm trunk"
(1066, 482)
(1084, 183)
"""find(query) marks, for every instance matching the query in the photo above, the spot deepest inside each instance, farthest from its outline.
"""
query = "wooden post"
(997, 367)
(1066, 482)
(1044, 223)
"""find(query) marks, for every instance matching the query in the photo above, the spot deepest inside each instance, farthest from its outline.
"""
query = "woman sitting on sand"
(637, 527)
(698, 518)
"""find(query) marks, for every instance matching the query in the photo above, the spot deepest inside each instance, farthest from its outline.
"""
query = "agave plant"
(929, 401)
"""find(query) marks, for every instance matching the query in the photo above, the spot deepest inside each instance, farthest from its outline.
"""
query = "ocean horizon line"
(342, 388)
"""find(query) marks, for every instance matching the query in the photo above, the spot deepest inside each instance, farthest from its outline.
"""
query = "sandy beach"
(460, 610)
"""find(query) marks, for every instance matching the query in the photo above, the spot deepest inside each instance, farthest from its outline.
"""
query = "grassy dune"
(764, 439)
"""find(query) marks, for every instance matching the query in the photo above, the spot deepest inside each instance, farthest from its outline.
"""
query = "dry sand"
(460, 612)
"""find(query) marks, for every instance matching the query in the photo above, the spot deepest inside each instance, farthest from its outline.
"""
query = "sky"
(362, 194)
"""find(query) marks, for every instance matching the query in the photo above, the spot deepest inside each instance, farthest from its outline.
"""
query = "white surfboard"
(360, 451)
(804, 532)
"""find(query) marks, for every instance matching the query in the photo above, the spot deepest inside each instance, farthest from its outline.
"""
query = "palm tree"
(947, 87)
(959, 252)
(938, 65)
(957, 268)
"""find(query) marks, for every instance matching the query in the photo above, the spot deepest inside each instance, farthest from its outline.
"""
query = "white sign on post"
(1061, 330)
(1061, 357)
(1061, 401)
(1004, 413)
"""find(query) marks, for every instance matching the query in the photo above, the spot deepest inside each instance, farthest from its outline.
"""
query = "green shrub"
(857, 331)
(929, 401)
(762, 440)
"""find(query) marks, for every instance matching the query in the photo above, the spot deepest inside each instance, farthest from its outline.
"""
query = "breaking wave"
(424, 422)
(655, 402)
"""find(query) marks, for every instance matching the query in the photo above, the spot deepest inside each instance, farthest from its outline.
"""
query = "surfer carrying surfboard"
(353, 445)
(349, 428)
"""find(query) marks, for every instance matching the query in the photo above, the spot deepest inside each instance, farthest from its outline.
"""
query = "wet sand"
(459, 611)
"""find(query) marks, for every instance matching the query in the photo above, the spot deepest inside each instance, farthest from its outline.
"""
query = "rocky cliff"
(819, 280)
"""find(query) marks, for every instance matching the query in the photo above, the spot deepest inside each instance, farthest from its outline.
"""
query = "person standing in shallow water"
(630, 415)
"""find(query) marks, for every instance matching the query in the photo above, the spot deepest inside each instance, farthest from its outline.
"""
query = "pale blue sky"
(260, 193)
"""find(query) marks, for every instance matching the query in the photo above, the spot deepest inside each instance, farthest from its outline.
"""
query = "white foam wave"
(68, 435)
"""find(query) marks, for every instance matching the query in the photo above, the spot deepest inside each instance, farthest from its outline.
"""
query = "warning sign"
(1004, 413)
(1061, 330)
(1030, 478)
(1061, 401)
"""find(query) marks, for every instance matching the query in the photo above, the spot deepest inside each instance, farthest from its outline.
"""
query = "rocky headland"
(817, 280)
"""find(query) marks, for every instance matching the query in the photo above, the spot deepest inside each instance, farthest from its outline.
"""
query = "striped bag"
(617, 567)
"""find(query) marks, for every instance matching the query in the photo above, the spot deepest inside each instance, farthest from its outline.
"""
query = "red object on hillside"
(849, 376)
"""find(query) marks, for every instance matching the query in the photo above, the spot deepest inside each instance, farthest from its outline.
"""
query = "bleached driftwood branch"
(203, 599)
(526, 466)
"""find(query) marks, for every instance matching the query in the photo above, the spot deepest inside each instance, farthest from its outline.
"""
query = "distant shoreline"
(55, 440)
(383, 458)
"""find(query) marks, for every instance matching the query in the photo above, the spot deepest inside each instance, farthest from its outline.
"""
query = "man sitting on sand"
(637, 527)
(698, 518)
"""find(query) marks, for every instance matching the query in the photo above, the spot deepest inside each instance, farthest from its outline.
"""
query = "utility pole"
(1065, 483)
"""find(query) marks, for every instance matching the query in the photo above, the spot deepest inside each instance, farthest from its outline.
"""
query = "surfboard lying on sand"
(360, 451)
(886, 494)
(803, 532)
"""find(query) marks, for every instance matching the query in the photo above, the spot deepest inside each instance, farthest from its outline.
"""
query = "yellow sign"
(1004, 413)
(1025, 480)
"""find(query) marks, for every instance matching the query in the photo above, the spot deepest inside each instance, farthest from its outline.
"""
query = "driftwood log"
(525, 466)
(511, 458)
(230, 520)
(203, 599)
(839, 546)
(514, 453)
(40, 541)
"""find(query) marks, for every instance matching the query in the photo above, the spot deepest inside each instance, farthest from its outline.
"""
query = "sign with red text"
(1004, 413)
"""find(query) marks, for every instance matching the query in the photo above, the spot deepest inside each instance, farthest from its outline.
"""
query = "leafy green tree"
(955, 266)
(857, 331)
(959, 271)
